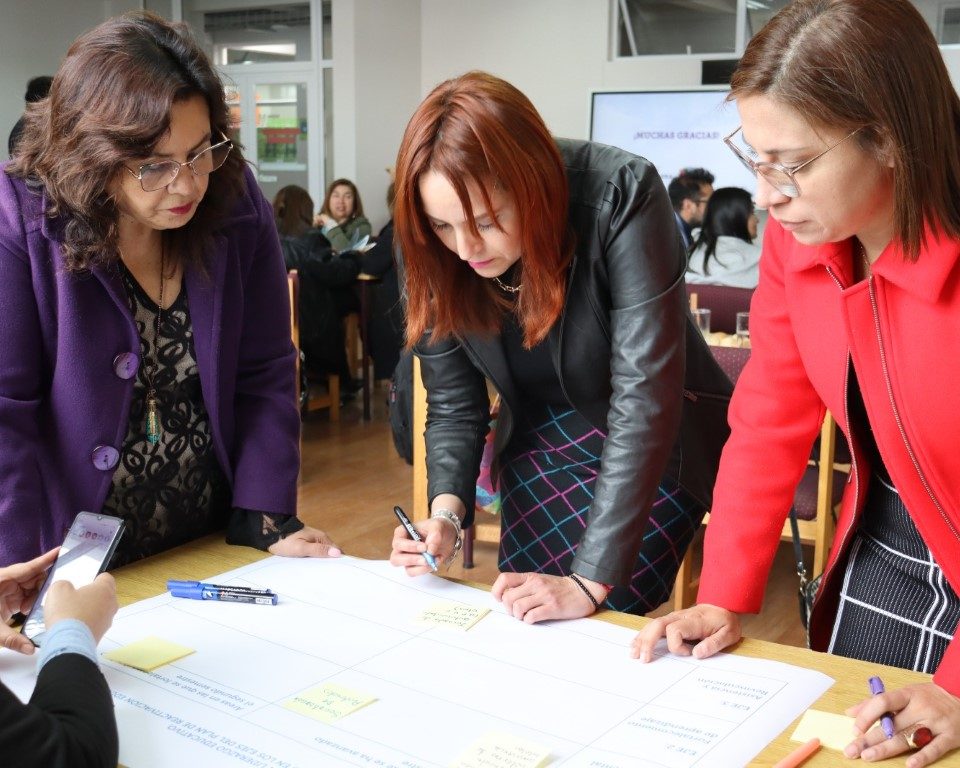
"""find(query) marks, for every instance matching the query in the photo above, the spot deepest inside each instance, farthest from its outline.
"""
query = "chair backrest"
(724, 302)
(731, 360)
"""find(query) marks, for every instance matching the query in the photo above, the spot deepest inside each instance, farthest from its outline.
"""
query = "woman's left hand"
(533, 597)
(307, 542)
(926, 704)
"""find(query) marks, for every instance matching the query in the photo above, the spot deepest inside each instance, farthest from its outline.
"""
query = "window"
(653, 27)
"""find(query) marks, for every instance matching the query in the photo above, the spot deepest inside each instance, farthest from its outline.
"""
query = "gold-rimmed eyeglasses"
(780, 177)
(154, 176)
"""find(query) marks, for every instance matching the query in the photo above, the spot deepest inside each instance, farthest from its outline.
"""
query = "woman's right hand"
(439, 538)
(321, 220)
(716, 628)
(94, 604)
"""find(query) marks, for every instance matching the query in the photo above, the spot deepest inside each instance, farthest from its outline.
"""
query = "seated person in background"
(323, 274)
(37, 89)
(146, 364)
(386, 312)
(69, 720)
(723, 251)
(689, 191)
(341, 215)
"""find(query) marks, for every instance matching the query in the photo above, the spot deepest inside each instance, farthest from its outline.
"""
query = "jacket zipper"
(853, 457)
(896, 414)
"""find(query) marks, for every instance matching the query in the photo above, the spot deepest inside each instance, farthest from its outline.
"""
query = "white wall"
(376, 74)
(34, 37)
(555, 51)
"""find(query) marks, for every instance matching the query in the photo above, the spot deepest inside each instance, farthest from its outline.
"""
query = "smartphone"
(84, 554)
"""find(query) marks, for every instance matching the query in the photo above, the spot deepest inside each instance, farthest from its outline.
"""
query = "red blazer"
(901, 330)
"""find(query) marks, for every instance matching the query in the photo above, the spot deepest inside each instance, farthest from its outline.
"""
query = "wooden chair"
(723, 301)
(815, 499)
(331, 398)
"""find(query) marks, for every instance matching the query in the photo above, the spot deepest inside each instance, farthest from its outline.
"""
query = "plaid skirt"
(547, 478)
(896, 607)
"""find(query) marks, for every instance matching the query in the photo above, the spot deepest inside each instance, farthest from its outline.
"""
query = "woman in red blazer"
(850, 122)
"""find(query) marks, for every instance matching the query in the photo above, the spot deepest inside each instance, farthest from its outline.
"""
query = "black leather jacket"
(627, 354)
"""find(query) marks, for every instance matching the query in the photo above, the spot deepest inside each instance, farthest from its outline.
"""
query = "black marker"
(415, 535)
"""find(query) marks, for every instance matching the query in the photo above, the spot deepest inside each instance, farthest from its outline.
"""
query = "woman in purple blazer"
(146, 364)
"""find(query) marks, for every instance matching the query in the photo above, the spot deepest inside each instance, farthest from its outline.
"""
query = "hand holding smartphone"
(85, 553)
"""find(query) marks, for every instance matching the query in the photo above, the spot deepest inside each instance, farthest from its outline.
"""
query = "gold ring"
(919, 737)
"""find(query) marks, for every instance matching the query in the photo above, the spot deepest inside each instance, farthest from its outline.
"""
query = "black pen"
(415, 535)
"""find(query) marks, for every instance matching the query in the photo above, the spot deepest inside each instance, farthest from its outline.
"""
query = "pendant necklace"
(153, 415)
(508, 288)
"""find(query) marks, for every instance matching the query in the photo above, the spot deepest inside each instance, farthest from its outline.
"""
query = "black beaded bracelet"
(576, 580)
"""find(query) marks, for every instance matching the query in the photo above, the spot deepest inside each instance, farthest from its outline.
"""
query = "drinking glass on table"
(743, 329)
(702, 319)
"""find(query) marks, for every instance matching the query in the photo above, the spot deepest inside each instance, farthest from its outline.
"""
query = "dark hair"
(37, 88)
(357, 204)
(76, 141)
(872, 65)
(391, 196)
(700, 175)
(728, 214)
(293, 210)
(684, 188)
(480, 132)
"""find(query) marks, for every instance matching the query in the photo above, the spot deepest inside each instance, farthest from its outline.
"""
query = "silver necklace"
(508, 288)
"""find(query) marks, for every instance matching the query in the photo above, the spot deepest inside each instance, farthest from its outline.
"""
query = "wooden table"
(210, 556)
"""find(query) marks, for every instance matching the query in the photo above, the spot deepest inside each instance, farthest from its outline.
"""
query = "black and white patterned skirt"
(896, 606)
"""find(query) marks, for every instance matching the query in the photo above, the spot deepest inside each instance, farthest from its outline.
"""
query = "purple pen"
(886, 719)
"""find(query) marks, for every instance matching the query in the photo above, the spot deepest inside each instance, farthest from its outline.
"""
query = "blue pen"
(415, 535)
(886, 719)
(198, 590)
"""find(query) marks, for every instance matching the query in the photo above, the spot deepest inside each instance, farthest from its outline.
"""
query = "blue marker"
(198, 590)
(415, 535)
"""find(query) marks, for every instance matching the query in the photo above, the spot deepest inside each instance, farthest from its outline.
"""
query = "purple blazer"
(69, 352)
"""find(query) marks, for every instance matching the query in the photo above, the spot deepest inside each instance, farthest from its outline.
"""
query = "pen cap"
(177, 584)
(189, 589)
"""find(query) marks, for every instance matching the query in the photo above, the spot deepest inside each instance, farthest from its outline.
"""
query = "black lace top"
(172, 491)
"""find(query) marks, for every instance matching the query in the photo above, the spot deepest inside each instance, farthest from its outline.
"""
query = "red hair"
(478, 131)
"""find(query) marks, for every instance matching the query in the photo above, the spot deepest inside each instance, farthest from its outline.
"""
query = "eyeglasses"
(780, 177)
(154, 176)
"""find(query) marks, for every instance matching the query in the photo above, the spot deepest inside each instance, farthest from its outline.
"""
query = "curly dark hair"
(109, 104)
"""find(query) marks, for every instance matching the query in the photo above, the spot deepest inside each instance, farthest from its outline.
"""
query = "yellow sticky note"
(452, 615)
(148, 654)
(501, 750)
(834, 731)
(328, 702)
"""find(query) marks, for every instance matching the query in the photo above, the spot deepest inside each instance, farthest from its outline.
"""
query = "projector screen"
(673, 130)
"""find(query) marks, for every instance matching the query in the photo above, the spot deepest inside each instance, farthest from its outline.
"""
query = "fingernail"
(850, 750)
(334, 552)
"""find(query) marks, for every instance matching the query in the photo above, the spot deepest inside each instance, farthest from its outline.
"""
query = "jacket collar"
(926, 278)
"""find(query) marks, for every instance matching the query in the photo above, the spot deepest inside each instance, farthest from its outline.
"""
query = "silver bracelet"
(452, 517)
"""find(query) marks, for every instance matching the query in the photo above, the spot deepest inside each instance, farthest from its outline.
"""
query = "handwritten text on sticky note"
(328, 702)
(452, 615)
(501, 750)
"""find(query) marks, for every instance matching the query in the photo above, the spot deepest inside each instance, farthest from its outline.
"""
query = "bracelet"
(451, 517)
(576, 580)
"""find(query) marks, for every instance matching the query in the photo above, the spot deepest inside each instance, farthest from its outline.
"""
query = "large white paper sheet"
(353, 623)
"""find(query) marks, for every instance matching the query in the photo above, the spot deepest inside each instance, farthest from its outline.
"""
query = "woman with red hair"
(553, 268)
